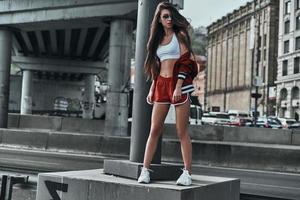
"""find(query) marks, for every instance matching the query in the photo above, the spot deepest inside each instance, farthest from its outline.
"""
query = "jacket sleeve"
(186, 68)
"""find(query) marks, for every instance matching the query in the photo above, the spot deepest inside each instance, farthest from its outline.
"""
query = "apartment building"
(242, 46)
(288, 74)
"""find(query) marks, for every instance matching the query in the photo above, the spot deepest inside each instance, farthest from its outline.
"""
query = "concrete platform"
(95, 185)
(128, 169)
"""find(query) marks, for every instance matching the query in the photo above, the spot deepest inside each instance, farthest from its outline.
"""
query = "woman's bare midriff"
(166, 68)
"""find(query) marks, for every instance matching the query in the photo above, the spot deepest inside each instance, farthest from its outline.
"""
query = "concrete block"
(125, 168)
(13, 120)
(102, 186)
(257, 135)
(43, 192)
(28, 138)
(75, 185)
(40, 122)
(83, 125)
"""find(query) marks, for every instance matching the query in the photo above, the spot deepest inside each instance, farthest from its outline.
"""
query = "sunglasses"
(167, 17)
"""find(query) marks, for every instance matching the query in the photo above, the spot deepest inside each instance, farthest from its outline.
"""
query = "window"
(297, 46)
(265, 40)
(259, 42)
(287, 8)
(264, 74)
(265, 54)
(286, 46)
(298, 22)
(284, 67)
(296, 65)
(297, 4)
(286, 27)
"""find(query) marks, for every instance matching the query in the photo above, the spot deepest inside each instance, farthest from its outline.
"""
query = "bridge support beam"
(5, 62)
(26, 98)
(88, 101)
(118, 77)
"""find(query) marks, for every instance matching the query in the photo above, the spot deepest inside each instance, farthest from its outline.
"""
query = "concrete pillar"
(141, 113)
(5, 62)
(26, 98)
(120, 53)
(88, 99)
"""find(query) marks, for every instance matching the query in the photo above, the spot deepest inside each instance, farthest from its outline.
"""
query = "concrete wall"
(213, 146)
(239, 100)
(77, 125)
(238, 134)
(216, 101)
(197, 132)
(45, 92)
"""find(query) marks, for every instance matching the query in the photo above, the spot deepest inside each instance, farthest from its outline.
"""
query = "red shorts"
(163, 92)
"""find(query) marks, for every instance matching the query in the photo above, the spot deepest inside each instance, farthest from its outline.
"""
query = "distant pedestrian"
(171, 65)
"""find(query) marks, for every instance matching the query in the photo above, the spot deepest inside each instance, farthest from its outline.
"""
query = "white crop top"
(169, 51)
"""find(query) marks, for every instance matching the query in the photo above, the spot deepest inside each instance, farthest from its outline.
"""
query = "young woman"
(170, 65)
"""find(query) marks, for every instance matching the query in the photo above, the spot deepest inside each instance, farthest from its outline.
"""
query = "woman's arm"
(150, 94)
(152, 86)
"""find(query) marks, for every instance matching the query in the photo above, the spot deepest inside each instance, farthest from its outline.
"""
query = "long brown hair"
(180, 27)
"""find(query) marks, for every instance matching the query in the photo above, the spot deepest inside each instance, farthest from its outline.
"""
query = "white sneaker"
(185, 178)
(144, 176)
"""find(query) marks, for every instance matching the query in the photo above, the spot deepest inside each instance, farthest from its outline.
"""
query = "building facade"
(288, 75)
(242, 46)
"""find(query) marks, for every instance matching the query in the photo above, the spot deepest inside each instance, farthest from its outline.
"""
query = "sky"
(205, 12)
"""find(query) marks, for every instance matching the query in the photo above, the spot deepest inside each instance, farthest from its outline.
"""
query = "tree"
(199, 40)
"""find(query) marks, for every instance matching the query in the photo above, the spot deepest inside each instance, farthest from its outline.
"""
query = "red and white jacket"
(186, 69)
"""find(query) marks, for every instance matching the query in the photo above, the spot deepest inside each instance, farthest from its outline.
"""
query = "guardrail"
(8, 183)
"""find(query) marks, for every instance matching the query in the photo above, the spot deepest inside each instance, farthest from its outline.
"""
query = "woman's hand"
(149, 97)
(177, 94)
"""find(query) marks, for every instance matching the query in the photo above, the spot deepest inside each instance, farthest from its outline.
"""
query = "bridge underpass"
(71, 41)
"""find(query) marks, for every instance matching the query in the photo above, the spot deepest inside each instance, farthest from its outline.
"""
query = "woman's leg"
(159, 113)
(182, 120)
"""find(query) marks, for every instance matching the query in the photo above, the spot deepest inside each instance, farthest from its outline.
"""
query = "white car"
(214, 117)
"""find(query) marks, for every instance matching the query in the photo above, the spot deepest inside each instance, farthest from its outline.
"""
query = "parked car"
(238, 121)
(222, 122)
(214, 118)
(195, 114)
(294, 126)
(237, 114)
(268, 122)
(286, 122)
